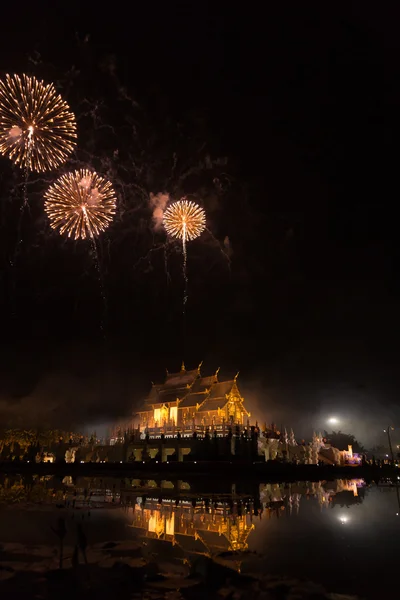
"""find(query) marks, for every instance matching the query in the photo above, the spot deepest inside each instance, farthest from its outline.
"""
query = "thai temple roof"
(192, 400)
(180, 379)
(191, 389)
(204, 383)
(220, 389)
(213, 404)
(218, 396)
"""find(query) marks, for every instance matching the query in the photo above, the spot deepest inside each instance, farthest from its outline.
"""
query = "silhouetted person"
(60, 533)
(82, 541)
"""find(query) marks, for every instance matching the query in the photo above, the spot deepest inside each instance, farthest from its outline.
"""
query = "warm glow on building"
(187, 398)
(173, 414)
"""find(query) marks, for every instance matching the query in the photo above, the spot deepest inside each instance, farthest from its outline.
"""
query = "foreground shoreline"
(215, 469)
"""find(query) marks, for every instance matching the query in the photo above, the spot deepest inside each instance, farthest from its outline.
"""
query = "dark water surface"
(343, 535)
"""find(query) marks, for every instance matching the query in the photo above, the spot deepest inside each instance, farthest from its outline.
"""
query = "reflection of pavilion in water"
(210, 527)
(276, 498)
(207, 527)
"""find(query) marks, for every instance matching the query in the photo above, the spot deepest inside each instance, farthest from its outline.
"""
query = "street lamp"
(389, 428)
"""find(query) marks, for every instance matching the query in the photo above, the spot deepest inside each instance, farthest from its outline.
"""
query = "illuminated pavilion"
(187, 400)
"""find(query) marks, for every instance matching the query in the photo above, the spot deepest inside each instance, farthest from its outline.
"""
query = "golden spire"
(216, 372)
(236, 376)
(199, 367)
(183, 367)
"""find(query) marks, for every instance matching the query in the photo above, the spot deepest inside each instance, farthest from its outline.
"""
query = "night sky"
(278, 124)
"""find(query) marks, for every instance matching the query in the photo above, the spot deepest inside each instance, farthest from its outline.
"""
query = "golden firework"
(37, 128)
(184, 219)
(80, 204)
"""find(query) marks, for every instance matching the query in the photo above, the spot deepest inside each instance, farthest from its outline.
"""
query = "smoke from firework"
(158, 204)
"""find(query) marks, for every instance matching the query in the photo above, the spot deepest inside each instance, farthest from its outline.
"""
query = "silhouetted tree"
(341, 441)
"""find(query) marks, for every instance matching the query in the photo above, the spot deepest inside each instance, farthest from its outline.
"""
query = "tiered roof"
(217, 398)
(191, 390)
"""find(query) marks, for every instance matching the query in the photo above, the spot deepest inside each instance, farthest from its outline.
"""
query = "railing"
(187, 431)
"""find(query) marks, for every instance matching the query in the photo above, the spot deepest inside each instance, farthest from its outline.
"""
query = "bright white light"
(333, 420)
(343, 519)
(387, 455)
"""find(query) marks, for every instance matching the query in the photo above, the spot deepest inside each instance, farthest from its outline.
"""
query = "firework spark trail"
(99, 271)
(24, 198)
(147, 256)
(218, 243)
(185, 288)
(103, 320)
(167, 275)
(184, 250)
(19, 240)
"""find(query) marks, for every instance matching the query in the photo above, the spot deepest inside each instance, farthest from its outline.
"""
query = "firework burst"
(37, 128)
(80, 204)
(184, 219)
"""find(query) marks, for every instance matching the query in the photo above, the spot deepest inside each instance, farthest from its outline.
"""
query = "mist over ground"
(84, 389)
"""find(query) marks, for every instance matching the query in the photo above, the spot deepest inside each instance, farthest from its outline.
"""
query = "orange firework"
(37, 128)
(184, 219)
(80, 204)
